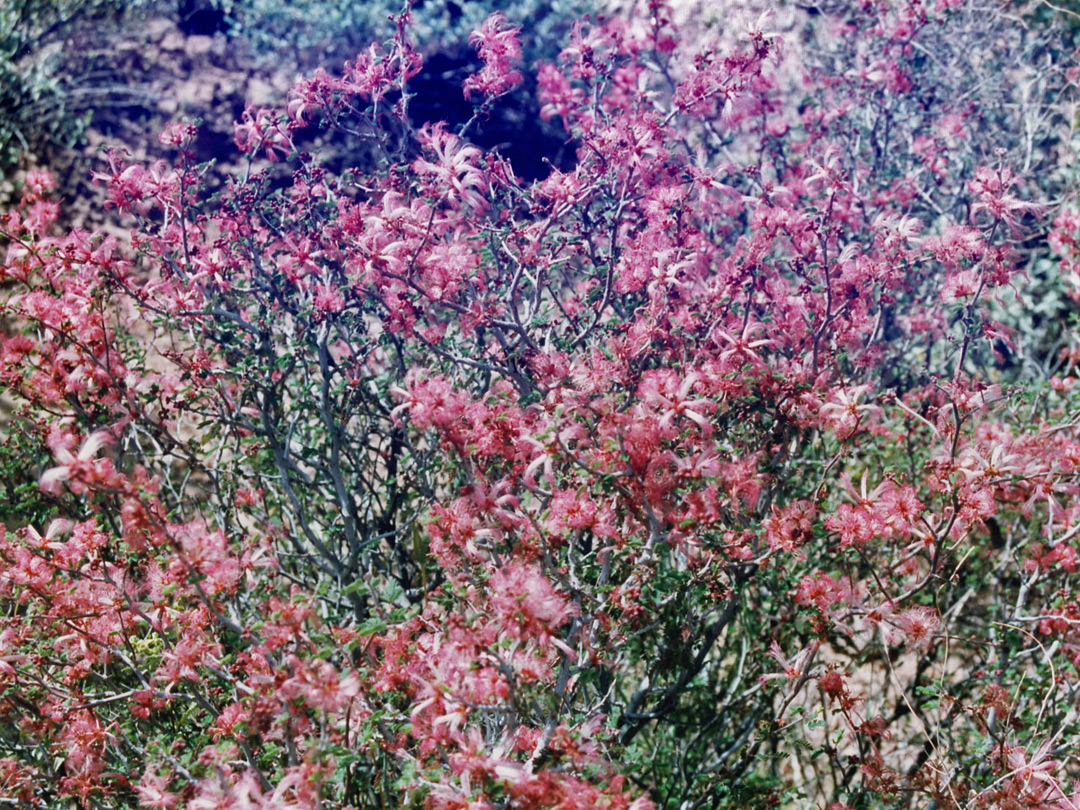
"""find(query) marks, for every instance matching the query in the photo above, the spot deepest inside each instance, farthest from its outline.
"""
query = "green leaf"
(371, 627)
(356, 587)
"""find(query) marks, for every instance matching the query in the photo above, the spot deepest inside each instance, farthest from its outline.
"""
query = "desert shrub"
(694, 474)
(39, 114)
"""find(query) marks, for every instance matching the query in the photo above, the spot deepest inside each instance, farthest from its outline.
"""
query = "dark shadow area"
(201, 18)
(513, 127)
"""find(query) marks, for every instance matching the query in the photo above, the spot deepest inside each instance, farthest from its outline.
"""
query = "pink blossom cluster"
(720, 467)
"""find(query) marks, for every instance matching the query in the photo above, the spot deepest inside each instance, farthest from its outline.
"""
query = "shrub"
(692, 475)
(39, 114)
(313, 28)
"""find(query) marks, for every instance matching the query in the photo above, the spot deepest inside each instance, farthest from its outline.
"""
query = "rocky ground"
(153, 72)
(157, 74)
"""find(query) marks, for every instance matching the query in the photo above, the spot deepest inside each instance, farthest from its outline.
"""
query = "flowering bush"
(698, 475)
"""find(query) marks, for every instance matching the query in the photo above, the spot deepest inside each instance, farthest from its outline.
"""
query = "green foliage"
(314, 30)
(36, 110)
(22, 456)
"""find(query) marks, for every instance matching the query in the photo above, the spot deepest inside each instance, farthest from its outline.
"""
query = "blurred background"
(79, 75)
(76, 75)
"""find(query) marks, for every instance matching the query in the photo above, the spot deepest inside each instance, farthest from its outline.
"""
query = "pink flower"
(742, 346)
(260, 130)
(845, 413)
(329, 298)
(179, 134)
(795, 667)
(38, 184)
(455, 173)
(500, 50)
(556, 94)
(72, 465)
(919, 626)
(152, 793)
(526, 602)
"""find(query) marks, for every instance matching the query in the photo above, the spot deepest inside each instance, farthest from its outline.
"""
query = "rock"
(199, 45)
(172, 41)
(262, 93)
(158, 28)
(198, 93)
